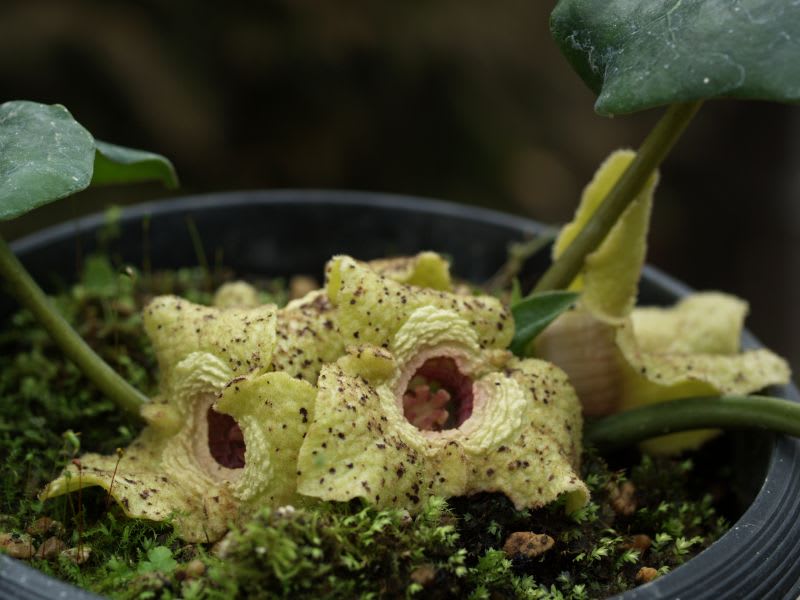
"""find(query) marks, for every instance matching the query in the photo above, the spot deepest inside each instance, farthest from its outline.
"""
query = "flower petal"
(429, 326)
(236, 294)
(243, 338)
(147, 486)
(426, 269)
(273, 411)
(306, 328)
(165, 473)
(540, 461)
(306, 337)
(170, 469)
(371, 308)
(359, 444)
(523, 438)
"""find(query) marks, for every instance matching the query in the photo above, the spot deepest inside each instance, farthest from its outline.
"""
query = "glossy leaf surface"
(117, 164)
(637, 54)
(45, 155)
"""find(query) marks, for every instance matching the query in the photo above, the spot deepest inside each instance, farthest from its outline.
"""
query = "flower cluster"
(390, 386)
(386, 385)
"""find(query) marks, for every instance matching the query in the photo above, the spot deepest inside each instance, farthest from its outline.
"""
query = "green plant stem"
(638, 424)
(652, 152)
(518, 254)
(31, 296)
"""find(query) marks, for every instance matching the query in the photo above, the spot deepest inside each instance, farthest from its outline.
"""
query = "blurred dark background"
(463, 100)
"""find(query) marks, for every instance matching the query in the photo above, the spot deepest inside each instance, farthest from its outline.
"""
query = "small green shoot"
(159, 560)
(534, 313)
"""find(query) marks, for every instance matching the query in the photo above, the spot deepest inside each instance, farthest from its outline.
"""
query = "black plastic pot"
(288, 232)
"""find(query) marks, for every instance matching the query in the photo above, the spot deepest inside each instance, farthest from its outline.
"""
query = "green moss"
(49, 413)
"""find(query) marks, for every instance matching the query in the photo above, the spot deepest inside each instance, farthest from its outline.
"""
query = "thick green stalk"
(638, 424)
(652, 152)
(30, 295)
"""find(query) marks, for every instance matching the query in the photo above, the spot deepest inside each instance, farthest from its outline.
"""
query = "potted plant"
(596, 47)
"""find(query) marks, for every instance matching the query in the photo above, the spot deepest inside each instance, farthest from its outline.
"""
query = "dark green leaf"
(637, 54)
(534, 313)
(117, 164)
(45, 155)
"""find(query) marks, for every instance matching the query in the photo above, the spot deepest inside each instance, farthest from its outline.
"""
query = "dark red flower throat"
(225, 440)
(439, 396)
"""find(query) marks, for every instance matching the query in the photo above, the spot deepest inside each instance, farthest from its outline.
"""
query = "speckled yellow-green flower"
(307, 331)
(221, 438)
(236, 294)
(437, 407)
(371, 307)
(306, 337)
(426, 270)
(618, 357)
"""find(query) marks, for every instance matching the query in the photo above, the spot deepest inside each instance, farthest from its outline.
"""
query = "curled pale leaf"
(708, 323)
(661, 354)
(609, 279)
(700, 357)
(618, 357)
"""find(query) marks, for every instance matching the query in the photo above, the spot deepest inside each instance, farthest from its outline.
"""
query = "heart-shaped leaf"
(117, 164)
(534, 313)
(637, 54)
(45, 155)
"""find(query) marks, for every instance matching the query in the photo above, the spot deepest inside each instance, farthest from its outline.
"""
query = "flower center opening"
(225, 440)
(439, 396)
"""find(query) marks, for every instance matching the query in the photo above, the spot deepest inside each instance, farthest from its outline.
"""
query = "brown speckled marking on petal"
(389, 462)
